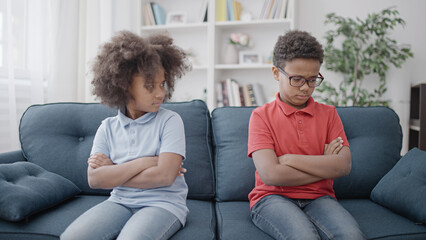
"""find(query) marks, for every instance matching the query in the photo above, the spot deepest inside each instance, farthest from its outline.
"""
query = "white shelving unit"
(207, 40)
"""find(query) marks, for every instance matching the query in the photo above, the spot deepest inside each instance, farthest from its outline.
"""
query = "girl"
(139, 152)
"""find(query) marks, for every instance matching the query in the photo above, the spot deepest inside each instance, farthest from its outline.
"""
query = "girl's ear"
(276, 73)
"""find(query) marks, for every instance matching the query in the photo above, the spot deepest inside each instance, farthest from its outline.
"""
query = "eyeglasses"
(298, 81)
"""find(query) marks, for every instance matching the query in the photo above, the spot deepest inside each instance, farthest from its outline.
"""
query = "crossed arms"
(144, 172)
(296, 170)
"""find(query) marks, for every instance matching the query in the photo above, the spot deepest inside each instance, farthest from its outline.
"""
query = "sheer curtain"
(46, 50)
(38, 42)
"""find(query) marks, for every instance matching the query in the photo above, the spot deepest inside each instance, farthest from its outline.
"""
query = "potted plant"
(366, 49)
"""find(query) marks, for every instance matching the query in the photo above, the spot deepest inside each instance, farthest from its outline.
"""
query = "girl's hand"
(182, 170)
(334, 147)
(98, 160)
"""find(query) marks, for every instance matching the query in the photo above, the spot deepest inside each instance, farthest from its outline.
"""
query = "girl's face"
(302, 67)
(146, 99)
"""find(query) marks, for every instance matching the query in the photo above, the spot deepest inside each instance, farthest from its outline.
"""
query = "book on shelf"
(159, 14)
(202, 17)
(228, 10)
(150, 20)
(153, 14)
(237, 8)
(231, 93)
(221, 10)
(274, 9)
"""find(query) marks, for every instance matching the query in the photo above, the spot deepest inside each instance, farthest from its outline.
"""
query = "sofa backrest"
(59, 137)
(374, 135)
(234, 170)
(375, 138)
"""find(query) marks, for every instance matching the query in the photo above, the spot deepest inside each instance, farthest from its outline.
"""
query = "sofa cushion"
(200, 223)
(375, 139)
(374, 135)
(59, 137)
(234, 222)
(51, 223)
(408, 179)
(27, 188)
(378, 222)
(234, 170)
(199, 154)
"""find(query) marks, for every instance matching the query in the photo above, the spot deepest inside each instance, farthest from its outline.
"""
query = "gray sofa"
(58, 138)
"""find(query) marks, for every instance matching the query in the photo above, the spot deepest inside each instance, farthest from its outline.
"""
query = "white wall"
(310, 17)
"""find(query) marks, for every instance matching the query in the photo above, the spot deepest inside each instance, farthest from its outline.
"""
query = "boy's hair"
(296, 44)
(127, 54)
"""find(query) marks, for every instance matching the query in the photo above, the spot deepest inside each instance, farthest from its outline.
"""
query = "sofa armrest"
(12, 156)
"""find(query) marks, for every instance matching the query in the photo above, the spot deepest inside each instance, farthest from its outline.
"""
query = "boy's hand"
(98, 160)
(334, 147)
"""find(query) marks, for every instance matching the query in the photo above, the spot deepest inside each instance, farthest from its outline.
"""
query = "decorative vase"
(230, 55)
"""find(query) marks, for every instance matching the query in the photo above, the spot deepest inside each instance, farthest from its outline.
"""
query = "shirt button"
(300, 122)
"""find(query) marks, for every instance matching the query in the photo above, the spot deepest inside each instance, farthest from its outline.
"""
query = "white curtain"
(39, 61)
(46, 50)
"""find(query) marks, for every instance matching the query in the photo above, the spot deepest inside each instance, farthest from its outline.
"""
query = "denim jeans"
(321, 218)
(109, 220)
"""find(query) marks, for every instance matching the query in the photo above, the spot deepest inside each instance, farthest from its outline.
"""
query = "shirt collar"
(288, 110)
(124, 120)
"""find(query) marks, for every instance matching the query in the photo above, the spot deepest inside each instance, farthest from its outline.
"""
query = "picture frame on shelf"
(250, 57)
(176, 18)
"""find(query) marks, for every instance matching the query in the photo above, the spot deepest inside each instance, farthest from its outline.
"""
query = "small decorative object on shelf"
(240, 39)
(236, 41)
(248, 57)
(176, 18)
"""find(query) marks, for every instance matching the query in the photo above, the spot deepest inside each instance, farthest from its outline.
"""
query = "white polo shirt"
(123, 139)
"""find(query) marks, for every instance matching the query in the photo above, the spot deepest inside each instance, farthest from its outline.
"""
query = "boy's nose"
(305, 86)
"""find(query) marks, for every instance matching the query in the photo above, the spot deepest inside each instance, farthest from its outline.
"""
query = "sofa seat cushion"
(27, 188)
(49, 224)
(408, 179)
(234, 222)
(200, 223)
(378, 222)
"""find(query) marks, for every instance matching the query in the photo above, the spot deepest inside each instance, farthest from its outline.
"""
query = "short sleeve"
(335, 128)
(100, 143)
(259, 136)
(173, 136)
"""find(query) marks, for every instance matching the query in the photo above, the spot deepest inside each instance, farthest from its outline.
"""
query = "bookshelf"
(417, 132)
(207, 41)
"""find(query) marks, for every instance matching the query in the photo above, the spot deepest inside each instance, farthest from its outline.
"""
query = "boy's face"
(146, 100)
(302, 67)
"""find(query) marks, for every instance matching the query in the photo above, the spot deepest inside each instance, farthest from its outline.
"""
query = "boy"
(139, 152)
(298, 147)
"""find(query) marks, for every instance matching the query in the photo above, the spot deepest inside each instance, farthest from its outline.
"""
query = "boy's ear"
(276, 73)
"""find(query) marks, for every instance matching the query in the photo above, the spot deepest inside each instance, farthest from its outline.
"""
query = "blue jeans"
(109, 220)
(321, 218)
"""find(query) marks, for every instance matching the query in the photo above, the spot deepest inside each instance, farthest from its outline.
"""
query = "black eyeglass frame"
(309, 81)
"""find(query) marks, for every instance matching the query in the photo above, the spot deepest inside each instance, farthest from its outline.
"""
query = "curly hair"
(296, 44)
(127, 54)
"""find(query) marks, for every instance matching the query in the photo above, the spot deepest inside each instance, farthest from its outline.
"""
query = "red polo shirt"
(287, 130)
